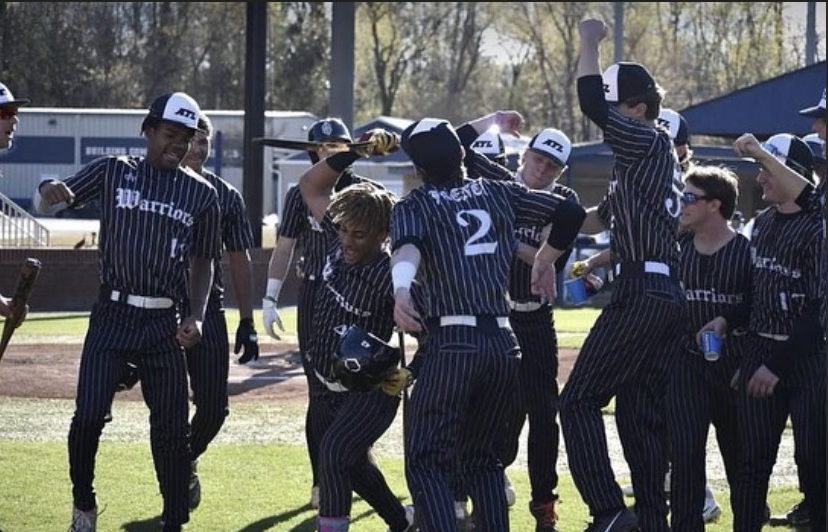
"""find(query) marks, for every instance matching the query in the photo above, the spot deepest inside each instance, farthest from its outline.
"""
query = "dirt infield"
(50, 371)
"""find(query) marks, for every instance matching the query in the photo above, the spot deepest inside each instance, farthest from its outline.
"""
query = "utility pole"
(618, 34)
(810, 34)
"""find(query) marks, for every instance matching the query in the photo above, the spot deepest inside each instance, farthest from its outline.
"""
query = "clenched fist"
(380, 142)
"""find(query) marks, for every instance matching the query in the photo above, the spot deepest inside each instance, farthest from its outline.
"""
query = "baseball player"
(715, 269)
(441, 231)
(298, 228)
(207, 361)
(355, 290)
(159, 238)
(783, 373)
(541, 165)
(630, 351)
(9, 120)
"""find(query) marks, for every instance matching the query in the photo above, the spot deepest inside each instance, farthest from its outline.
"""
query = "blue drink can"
(711, 346)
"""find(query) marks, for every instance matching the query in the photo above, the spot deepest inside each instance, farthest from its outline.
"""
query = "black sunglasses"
(691, 198)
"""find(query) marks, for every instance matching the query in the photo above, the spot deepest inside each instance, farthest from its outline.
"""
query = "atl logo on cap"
(186, 113)
(553, 144)
(486, 143)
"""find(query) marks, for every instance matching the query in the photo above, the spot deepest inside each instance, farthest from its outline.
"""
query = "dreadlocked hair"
(365, 205)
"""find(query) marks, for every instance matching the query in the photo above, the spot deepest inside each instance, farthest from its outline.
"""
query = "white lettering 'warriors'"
(130, 199)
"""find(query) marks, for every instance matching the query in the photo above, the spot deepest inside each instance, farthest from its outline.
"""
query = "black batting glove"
(247, 338)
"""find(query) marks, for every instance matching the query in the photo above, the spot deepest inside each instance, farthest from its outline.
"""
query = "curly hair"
(363, 205)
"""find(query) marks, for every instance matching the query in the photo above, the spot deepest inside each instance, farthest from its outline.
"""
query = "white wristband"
(402, 274)
(274, 286)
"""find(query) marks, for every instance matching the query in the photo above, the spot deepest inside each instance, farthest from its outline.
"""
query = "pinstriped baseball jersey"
(521, 273)
(469, 230)
(300, 224)
(138, 204)
(236, 231)
(788, 254)
(713, 284)
(644, 192)
(350, 295)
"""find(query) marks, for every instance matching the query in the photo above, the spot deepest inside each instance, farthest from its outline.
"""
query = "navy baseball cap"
(177, 108)
(433, 145)
(7, 99)
(817, 111)
(553, 144)
(793, 152)
(676, 126)
(626, 80)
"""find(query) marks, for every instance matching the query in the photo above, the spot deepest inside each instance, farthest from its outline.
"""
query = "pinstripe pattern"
(468, 229)
(348, 423)
(699, 392)
(538, 375)
(788, 256)
(207, 363)
(298, 223)
(152, 222)
(630, 351)
(644, 192)
(139, 204)
(457, 408)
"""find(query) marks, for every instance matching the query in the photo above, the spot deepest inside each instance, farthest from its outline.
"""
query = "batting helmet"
(363, 361)
(328, 130)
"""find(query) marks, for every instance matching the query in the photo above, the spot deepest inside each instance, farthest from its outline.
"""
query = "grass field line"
(283, 423)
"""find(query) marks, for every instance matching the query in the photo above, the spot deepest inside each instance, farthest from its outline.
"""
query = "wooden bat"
(309, 145)
(28, 274)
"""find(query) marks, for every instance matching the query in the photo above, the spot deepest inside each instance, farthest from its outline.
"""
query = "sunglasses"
(691, 198)
(7, 112)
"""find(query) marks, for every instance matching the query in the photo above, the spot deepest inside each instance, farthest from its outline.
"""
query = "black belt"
(639, 269)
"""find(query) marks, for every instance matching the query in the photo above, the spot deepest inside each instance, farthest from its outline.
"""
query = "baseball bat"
(308, 145)
(28, 274)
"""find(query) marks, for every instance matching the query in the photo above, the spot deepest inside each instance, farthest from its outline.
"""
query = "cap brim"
(548, 156)
(179, 124)
(16, 103)
(813, 112)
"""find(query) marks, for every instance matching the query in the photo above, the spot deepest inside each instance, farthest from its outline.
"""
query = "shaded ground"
(50, 371)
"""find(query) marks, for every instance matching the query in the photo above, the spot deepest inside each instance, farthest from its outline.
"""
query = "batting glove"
(129, 377)
(381, 142)
(271, 318)
(247, 339)
(397, 381)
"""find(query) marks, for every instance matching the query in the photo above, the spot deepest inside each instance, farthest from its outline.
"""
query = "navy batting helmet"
(328, 130)
(363, 361)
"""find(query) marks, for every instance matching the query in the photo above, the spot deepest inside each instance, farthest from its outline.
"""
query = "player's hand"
(189, 332)
(762, 383)
(271, 318)
(405, 315)
(381, 142)
(543, 280)
(247, 339)
(509, 121)
(397, 381)
(593, 30)
(747, 146)
(580, 268)
(718, 325)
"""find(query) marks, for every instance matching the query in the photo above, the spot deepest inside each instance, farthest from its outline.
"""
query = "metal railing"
(18, 228)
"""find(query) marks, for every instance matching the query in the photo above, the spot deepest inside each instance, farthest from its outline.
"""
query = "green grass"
(254, 477)
(251, 480)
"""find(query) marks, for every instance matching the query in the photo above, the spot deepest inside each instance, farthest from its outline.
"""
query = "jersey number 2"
(472, 245)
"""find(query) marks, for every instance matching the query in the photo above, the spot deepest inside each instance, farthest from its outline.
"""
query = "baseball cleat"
(84, 520)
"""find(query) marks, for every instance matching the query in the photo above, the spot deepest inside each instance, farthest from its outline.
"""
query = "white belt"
(332, 386)
(471, 321)
(777, 337)
(528, 306)
(649, 267)
(141, 301)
